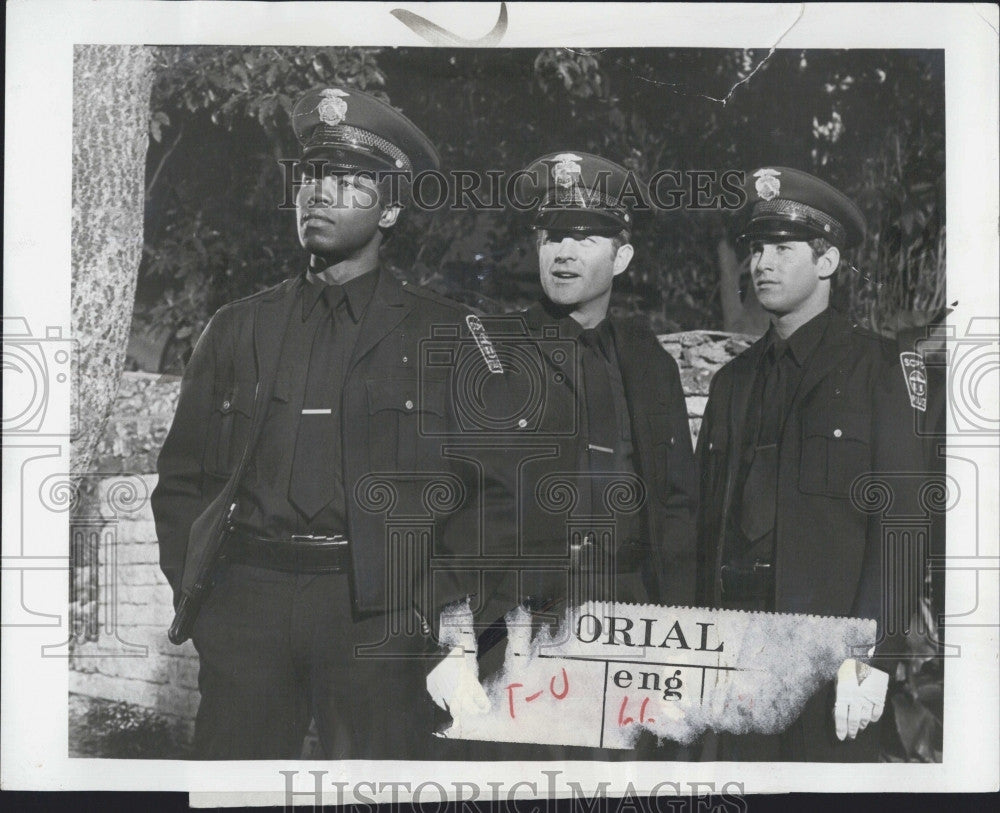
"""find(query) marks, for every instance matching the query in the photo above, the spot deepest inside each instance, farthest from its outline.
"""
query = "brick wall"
(125, 655)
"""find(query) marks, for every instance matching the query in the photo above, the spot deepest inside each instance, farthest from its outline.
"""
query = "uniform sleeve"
(705, 547)
(677, 570)
(179, 497)
(894, 563)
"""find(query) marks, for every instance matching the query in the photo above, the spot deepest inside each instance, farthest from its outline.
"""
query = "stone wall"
(121, 604)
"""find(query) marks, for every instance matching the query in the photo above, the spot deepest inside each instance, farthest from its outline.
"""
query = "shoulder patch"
(915, 375)
(484, 344)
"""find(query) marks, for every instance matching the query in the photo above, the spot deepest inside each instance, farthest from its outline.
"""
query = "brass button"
(406, 359)
(837, 433)
(522, 423)
(226, 404)
(409, 404)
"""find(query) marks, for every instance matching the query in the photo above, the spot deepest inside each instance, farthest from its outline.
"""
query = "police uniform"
(789, 428)
(304, 426)
(613, 432)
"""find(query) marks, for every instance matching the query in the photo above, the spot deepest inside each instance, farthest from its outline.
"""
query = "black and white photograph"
(481, 402)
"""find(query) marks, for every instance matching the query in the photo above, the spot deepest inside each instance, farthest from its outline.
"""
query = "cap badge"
(566, 173)
(332, 108)
(768, 185)
(566, 170)
(915, 375)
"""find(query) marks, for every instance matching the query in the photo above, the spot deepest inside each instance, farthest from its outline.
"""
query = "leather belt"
(588, 555)
(747, 582)
(295, 554)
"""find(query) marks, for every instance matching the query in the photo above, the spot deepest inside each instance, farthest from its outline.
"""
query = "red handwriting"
(624, 721)
(536, 695)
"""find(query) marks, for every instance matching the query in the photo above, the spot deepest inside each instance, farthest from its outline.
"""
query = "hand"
(860, 697)
(454, 685)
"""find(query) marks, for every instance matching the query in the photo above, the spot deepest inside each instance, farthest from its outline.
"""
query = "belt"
(295, 554)
(746, 582)
(588, 554)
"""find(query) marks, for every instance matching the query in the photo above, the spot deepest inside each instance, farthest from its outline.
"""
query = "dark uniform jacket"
(394, 418)
(850, 416)
(662, 453)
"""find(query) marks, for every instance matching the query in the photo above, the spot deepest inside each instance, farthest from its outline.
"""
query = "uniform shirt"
(315, 355)
(779, 372)
(621, 459)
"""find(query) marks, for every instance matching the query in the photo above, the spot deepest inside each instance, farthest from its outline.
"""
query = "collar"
(603, 335)
(803, 341)
(357, 292)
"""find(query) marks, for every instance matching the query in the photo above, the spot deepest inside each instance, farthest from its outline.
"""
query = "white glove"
(860, 697)
(454, 685)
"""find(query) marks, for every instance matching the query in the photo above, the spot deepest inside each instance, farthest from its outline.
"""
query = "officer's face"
(578, 269)
(339, 214)
(786, 275)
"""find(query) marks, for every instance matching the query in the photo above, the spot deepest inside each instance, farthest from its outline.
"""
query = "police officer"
(789, 427)
(294, 400)
(620, 387)
(605, 477)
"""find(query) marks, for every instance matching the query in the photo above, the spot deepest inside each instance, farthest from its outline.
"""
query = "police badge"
(566, 170)
(332, 108)
(566, 174)
(768, 186)
(915, 375)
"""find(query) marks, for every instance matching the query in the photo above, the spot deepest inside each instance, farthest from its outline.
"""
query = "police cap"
(788, 204)
(356, 131)
(577, 191)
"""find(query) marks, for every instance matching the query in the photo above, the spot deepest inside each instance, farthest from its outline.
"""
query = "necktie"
(602, 427)
(760, 487)
(314, 475)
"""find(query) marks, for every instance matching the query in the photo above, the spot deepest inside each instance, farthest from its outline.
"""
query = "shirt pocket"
(836, 450)
(406, 420)
(229, 428)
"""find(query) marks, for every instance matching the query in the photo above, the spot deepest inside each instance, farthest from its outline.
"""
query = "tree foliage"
(870, 122)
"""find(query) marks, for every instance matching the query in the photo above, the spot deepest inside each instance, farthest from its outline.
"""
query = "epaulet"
(261, 294)
(433, 296)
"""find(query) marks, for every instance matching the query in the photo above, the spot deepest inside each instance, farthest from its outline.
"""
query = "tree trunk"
(738, 315)
(111, 91)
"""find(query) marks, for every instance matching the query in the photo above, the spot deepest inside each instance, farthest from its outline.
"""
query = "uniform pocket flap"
(239, 398)
(282, 390)
(406, 395)
(838, 426)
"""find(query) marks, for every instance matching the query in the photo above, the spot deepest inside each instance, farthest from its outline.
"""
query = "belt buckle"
(318, 545)
(317, 538)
